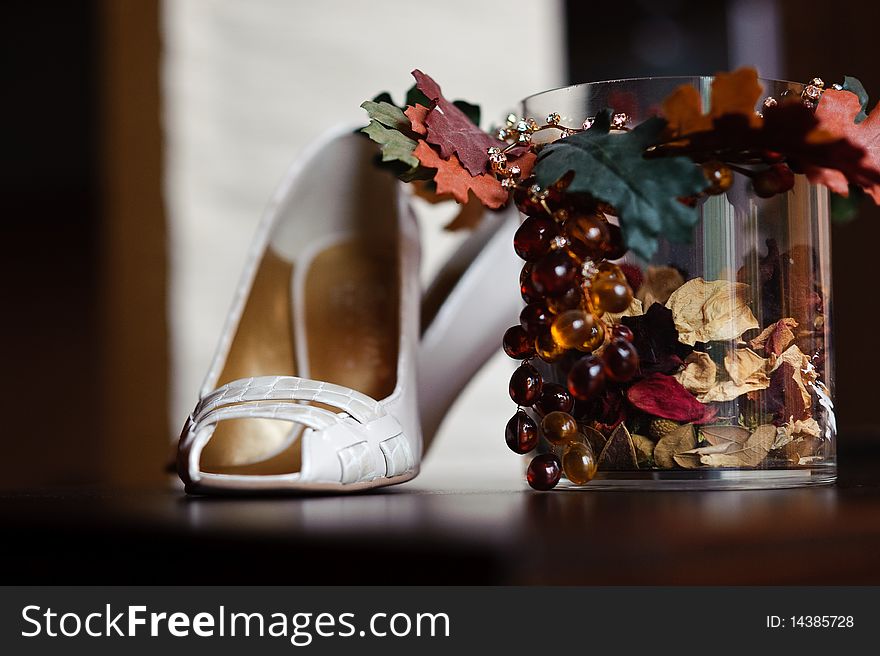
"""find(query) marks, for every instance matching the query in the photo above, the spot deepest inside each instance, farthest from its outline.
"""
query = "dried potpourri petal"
(663, 396)
(656, 340)
(619, 452)
(774, 339)
(677, 441)
(711, 311)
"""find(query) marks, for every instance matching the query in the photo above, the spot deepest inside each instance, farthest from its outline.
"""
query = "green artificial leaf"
(414, 96)
(388, 115)
(854, 85)
(384, 97)
(395, 146)
(612, 168)
(470, 110)
(845, 208)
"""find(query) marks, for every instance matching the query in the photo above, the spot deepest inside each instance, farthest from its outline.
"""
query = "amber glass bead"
(618, 330)
(586, 379)
(534, 237)
(611, 294)
(554, 273)
(572, 299)
(517, 344)
(615, 247)
(559, 428)
(548, 349)
(621, 360)
(553, 397)
(521, 433)
(595, 340)
(587, 235)
(544, 471)
(579, 462)
(525, 385)
(610, 270)
(719, 176)
(535, 319)
(572, 328)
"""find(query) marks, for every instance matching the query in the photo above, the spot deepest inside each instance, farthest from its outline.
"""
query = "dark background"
(85, 375)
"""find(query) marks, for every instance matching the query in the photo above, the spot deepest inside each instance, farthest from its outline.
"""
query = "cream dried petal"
(711, 311)
(746, 367)
(658, 285)
(698, 375)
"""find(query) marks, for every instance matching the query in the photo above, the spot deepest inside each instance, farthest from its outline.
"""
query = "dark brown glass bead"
(621, 360)
(587, 235)
(622, 332)
(554, 273)
(544, 471)
(559, 428)
(777, 179)
(535, 319)
(534, 237)
(526, 288)
(521, 433)
(554, 397)
(517, 344)
(525, 385)
(615, 248)
(586, 379)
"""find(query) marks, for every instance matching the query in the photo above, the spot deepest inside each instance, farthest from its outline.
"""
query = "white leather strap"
(290, 388)
(360, 444)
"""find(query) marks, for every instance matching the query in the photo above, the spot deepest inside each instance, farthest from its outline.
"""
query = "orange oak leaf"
(452, 178)
(417, 115)
(837, 112)
(732, 93)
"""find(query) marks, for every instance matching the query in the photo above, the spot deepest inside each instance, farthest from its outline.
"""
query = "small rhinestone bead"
(619, 120)
(553, 118)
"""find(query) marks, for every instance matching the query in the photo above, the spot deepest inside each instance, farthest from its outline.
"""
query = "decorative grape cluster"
(570, 287)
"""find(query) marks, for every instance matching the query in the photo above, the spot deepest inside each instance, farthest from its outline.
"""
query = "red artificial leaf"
(663, 396)
(417, 114)
(452, 178)
(525, 162)
(452, 131)
(836, 113)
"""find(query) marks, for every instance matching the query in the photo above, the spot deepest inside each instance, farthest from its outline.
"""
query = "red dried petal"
(451, 130)
(663, 396)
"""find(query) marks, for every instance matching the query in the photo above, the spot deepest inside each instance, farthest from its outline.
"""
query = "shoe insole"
(351, 337)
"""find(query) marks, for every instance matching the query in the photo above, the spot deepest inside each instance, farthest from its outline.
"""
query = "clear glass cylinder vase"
(755, 280)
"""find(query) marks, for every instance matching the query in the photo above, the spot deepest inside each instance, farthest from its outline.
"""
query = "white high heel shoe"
(313, 384)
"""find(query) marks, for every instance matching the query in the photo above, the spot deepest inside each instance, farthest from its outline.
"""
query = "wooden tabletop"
(451, 531)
